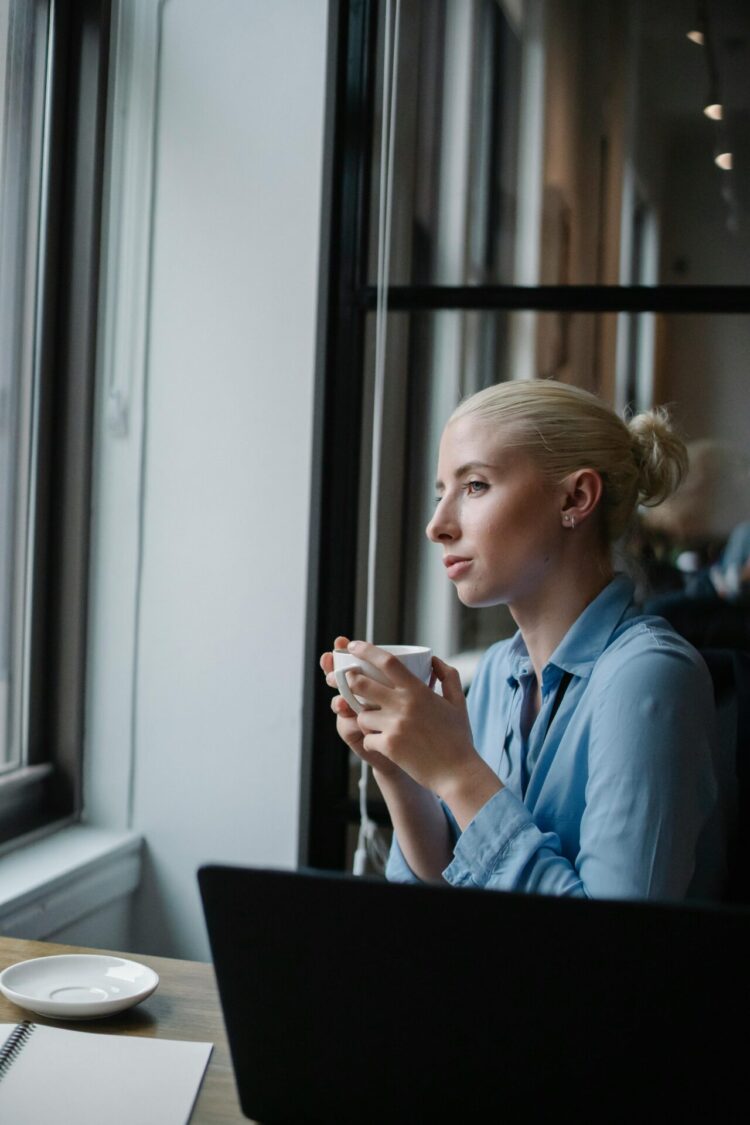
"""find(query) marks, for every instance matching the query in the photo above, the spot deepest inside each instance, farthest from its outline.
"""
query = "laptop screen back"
(352, 1000)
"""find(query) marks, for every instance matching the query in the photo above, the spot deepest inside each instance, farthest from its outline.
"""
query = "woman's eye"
(474, 487)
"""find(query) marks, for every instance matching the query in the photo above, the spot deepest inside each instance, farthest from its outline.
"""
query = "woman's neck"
(546, 619)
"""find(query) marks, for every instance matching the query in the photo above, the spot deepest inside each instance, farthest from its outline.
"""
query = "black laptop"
(351, 1000)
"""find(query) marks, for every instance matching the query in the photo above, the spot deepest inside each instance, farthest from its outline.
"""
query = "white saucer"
(77, 986)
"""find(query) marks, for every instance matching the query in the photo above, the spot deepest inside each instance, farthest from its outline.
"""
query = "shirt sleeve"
(649, 792)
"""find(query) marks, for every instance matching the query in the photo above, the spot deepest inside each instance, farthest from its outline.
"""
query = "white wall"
(202, 498)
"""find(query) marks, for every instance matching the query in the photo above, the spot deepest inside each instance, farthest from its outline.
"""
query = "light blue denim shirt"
(616, 795)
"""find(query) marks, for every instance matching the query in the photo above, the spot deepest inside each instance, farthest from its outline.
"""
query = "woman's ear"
(581, 494)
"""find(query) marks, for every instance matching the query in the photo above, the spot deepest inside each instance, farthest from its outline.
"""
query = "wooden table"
(184, 1006)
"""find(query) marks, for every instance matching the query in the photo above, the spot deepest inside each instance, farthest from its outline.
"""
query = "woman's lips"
(456, 566)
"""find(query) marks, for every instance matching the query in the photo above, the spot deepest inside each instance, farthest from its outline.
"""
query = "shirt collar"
(587, 637)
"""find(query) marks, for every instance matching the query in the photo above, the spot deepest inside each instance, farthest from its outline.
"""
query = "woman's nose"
(441, 527)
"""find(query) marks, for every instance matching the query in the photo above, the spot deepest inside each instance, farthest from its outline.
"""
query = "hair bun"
(660, 455)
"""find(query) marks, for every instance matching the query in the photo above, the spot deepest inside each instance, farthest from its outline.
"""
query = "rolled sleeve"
(502, 849)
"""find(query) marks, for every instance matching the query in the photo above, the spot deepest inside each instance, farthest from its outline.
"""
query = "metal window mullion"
(27, 507)
(337, 439)
(677, 299)
(67, 338)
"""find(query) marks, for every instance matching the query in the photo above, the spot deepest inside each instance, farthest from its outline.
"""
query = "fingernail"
(353, 646)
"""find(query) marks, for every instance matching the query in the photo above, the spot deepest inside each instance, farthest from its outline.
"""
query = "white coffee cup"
(418, 660)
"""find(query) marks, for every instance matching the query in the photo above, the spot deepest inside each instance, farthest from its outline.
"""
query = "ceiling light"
(724, 161)
(715, 111)
(696, 37)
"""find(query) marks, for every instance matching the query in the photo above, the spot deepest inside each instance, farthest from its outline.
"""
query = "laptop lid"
(353, 1000)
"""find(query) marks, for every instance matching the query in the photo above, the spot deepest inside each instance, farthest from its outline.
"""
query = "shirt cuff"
(487, 842)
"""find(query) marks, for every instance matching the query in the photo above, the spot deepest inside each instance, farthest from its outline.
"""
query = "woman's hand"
(417, 816)
(425, 734)
(347, 723)
(410, 735)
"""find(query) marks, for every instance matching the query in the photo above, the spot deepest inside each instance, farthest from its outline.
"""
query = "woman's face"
(498, 521)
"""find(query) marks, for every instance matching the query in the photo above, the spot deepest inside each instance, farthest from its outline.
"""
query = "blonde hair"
(564, 428)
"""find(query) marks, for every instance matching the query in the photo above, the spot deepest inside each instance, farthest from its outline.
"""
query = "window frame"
(47, 789)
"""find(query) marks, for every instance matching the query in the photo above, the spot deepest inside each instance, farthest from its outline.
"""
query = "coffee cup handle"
(345, 690)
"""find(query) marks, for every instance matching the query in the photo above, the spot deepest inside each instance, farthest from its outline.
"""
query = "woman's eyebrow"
(466, 469)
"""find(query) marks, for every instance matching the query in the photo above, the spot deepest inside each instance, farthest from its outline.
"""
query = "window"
(562, 207)
(23, 68)
(52, 65)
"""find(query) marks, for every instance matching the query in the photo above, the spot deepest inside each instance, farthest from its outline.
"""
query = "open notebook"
(52, 1076)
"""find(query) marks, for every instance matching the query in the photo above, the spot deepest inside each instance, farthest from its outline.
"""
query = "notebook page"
(63, 1077)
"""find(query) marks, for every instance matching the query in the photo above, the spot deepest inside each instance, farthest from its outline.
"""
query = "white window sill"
(52, 882)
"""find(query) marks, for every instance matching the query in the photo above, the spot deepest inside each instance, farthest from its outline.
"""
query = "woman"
(583, 763)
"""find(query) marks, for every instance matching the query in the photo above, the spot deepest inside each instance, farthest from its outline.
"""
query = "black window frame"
(48, 788)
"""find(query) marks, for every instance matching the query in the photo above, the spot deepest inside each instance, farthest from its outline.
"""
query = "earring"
(569, 520)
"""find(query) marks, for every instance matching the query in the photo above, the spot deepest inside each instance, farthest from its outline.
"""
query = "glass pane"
(565, 141)
(23, 49)
(694, 364)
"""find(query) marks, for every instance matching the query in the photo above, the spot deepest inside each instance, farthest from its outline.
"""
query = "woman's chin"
(476, 599)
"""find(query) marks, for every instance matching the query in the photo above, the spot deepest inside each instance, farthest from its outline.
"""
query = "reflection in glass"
(568, 142)
(694, 364)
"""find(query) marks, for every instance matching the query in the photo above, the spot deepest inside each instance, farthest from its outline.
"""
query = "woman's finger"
(370, 722)
(392, 668)
(374, 743)
(449, 679)
(340, 707)
(326, 659)
(368, 689)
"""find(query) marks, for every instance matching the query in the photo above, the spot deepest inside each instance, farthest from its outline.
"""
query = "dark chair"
(707, 621)
(730, 672)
